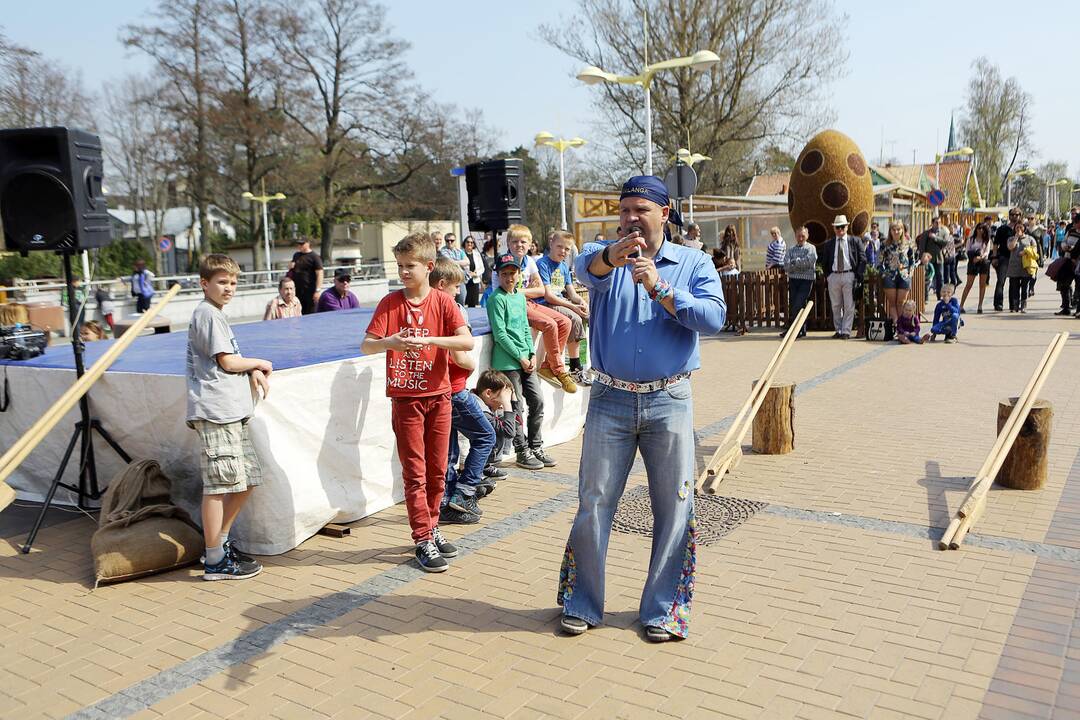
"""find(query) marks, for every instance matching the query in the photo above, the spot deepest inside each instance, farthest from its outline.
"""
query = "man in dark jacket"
(843, 261)
(999, 256)
(933, 240)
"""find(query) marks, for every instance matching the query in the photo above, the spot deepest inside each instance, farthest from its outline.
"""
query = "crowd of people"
(1015, 247)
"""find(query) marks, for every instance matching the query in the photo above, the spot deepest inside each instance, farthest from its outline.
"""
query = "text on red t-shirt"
(420, 373)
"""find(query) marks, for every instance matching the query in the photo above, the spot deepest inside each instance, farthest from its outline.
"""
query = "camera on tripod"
(21, 342)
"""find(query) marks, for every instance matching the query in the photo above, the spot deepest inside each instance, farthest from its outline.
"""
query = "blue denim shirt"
(634, 338)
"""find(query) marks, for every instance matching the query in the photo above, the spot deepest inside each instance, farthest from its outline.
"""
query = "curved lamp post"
(562, 145)
(1046, 201)
(701, 60)
(265, 200)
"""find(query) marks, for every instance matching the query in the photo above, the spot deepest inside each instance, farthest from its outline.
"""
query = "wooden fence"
(760, 299)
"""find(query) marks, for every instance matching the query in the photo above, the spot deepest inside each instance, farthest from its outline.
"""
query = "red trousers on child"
(554, 329)
(422, 428)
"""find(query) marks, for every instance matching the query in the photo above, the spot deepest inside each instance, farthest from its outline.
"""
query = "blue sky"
(909, 63)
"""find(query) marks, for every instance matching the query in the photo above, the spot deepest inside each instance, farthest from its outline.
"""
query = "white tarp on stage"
(323, 437)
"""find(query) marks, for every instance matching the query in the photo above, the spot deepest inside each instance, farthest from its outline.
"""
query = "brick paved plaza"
(831, 601)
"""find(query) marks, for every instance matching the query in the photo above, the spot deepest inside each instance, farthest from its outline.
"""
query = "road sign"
(936, 197)
(681, 181)
(165, 244)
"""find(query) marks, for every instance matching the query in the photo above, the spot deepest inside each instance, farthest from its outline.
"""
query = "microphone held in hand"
(630, 231)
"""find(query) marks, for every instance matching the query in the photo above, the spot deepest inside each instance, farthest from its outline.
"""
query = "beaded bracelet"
(661, 290)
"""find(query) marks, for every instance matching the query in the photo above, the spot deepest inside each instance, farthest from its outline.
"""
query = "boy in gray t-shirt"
(220, 383)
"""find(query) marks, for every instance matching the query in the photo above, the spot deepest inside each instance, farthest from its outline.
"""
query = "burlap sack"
(140, 531)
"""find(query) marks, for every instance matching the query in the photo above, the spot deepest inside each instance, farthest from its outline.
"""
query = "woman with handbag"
(978, 263)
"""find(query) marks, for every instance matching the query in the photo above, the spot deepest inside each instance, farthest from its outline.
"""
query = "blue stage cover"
(288, 343)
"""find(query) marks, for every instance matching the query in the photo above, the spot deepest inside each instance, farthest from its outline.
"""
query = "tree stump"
(1025, 465)
(774, 424)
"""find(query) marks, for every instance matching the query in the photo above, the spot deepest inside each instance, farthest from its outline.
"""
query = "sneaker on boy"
(429, 558)
(526, 459)
(446, 548)
(231, 569)
(495, 472)
(541, 455)
(450, 516)
(219, 404)
(416, 327)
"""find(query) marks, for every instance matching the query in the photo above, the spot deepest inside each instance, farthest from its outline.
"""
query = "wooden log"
(774, 424)
(1025, 465)
(37, 432)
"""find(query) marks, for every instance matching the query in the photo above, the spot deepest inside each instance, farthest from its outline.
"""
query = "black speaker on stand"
(51, 199)
(496, 191)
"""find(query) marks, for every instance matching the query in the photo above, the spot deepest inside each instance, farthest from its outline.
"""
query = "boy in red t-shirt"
(416, 327)
(463, 489)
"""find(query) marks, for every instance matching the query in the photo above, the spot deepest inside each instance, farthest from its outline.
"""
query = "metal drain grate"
(716, 515)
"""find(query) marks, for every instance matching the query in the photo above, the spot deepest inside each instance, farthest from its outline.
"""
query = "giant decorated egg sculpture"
(830, 178)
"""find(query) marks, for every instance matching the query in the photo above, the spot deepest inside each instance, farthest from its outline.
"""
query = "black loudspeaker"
(496, 194)
(50, 190)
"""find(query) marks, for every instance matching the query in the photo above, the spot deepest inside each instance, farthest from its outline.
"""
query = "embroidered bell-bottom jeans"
(619, 423)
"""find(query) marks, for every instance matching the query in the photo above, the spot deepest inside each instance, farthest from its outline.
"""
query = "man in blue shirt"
(560, 296)
(142, 286)
(649, 300)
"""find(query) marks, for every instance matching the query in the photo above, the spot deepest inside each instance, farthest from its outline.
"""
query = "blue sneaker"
(231, 569)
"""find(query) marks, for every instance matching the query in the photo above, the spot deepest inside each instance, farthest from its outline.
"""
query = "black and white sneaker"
(446, 548)
(429, 558)
(496, 473)
(485, 487)
(231, 569)
(233, 552)
(450, 516)
(543, 457)
(582, 377)
(526, 459)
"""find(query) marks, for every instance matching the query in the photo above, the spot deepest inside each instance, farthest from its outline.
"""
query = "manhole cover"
(716, 515)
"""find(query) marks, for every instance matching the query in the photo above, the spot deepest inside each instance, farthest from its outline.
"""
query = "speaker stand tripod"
(88, 488)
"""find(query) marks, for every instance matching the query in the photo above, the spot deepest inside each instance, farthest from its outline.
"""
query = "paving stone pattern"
(829, 601)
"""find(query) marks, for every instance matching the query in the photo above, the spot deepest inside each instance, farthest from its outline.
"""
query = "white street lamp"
(1046, 200)
(265, 200)
(562, 145)
(684, 156)
(1008, 182)
(699, 61)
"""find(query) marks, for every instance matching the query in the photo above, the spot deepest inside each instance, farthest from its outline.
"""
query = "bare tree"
(775, 57)
(246, 114)
(138, 142)
(996, 124)
(179, 41)
(37, 91)
(350, 103)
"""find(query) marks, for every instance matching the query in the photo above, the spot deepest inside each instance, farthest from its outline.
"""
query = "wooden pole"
(7, 495)
(37, 432)
(1013, 425)
(725, 454)
(974, 504)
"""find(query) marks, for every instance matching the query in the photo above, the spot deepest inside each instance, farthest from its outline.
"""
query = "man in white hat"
(844, 262)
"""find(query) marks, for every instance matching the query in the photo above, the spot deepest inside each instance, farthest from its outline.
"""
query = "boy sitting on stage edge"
(460, 504)
(416, 327)
(513, 355)
(553, 327)
(219, 405)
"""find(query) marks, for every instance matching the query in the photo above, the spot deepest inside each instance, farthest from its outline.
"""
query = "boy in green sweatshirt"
(514, 356)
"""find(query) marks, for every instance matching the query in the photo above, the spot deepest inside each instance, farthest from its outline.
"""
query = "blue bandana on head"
(651, 188)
